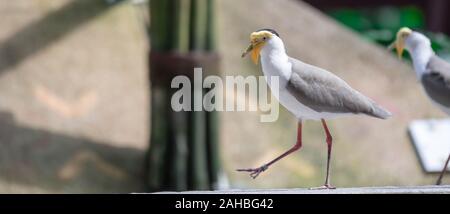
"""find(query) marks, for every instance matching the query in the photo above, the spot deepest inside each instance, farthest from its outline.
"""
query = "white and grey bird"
(308, 92)
(432, 71)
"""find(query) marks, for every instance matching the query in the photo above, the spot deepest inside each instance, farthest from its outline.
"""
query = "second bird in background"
(432, 71)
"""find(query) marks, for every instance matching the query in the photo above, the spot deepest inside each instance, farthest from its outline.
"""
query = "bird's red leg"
(329, 140)
(256, 171)
(439, 181)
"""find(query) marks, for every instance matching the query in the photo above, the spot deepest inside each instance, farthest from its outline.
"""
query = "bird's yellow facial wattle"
(399, 43)
(257, 42)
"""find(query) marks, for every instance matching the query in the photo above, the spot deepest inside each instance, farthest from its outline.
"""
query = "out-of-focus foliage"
(381, 24)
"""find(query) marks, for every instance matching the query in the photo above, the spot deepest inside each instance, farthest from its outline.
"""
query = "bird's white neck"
(275, 61)
(421, 52)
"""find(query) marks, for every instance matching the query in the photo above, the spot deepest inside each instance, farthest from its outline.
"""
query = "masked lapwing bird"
(432, 71)
(308, 92)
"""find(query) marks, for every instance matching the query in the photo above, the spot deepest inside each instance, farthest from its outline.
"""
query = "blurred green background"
(381, 24)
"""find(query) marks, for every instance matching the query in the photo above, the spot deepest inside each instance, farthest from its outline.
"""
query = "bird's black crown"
(270, 30)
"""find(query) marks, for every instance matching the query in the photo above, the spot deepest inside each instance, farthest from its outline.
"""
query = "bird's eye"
(264, 38)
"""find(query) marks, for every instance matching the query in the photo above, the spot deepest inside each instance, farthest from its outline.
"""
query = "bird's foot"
(255, 171)
(326, 186)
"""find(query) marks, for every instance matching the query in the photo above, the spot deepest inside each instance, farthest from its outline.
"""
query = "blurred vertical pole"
(211, 27)
(159, 124)
(179, 155)
(183, 152)
(199, 25)
(212, 117)
(198, 157)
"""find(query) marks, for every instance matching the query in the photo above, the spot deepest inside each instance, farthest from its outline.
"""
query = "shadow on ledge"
(38, 159)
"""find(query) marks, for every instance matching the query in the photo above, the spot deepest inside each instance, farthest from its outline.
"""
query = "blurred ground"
(73, 97)
(74, 100)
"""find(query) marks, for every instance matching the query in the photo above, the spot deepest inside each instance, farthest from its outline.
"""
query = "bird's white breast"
(421, 52)
(275, 62)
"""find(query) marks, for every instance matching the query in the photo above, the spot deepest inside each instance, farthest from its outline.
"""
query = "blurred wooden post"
(183, 152)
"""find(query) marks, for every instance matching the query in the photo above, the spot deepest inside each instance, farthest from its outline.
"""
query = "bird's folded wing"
(436, 81)
(323, 91)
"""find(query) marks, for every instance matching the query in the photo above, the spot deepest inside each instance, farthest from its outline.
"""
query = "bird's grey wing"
(323, 91)
(436, 81)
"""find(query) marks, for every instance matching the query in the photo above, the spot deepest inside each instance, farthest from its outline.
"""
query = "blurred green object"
(183, 152)
(412, 17)
(354, 19)
(380, 25)
(386, 18)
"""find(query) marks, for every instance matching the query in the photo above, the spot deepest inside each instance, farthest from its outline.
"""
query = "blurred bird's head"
(399, 43)
(258, 40)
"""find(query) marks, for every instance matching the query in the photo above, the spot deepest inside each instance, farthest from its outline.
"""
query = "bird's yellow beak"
(257, 42)
(399, 43)
(254, 49)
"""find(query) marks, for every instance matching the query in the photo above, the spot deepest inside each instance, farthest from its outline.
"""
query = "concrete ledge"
(444, 189)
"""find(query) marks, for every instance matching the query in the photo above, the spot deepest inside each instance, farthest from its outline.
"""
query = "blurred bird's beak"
(399, 45)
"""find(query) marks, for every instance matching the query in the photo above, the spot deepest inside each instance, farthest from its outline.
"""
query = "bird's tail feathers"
(380, 112)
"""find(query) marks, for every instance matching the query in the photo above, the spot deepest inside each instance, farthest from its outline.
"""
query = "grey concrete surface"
(432, 189)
